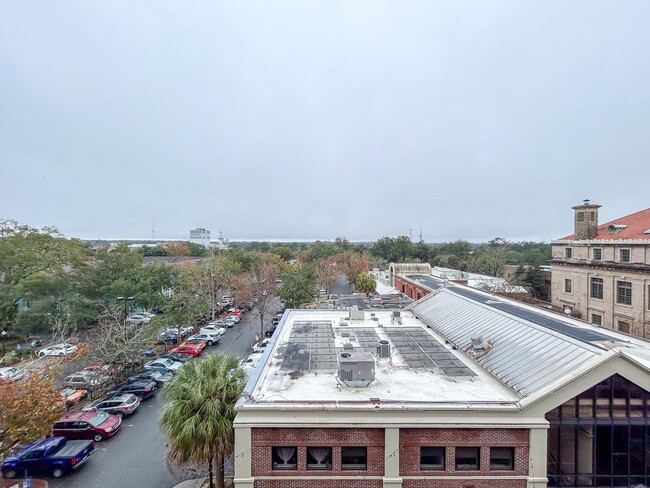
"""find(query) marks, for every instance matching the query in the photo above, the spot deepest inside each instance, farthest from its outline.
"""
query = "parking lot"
(136, 456)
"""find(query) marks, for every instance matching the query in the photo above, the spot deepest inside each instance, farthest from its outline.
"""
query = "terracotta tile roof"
(637, 227)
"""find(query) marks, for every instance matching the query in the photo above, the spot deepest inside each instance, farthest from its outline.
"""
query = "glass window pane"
(432, 458)
(284, 458)
(354, 458)
(467, 458)
(319, 458)
(502, 458)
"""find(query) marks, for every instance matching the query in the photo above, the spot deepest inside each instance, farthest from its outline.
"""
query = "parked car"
(179, 358)
(271, 330)
(88, 380)
(210, 338)
(220, 329)
(163, 364)
(29, 345)
(87, 424)
(151, 375)
(230, 322)
(199, 341)
(107, 369)
(275, 320)
(12, 373)
(261, 346)
(72, 396)
(233, 317)
(59, 350)
(193, 349)
(249, 305)
(235, 311)
(251, 360)
(55, 456)
(122, 405)
(138, 319)
(168, 339)
(142, 388)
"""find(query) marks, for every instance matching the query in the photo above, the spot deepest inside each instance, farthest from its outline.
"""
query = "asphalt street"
(136, 456)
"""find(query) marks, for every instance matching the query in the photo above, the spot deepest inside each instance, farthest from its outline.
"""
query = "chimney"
(586, 221)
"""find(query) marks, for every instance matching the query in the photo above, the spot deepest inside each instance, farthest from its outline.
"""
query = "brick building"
(458, 390)
(602, 272)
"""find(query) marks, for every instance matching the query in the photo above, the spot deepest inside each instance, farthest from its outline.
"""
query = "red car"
(236, 312)
(87, 424)
(193, 349)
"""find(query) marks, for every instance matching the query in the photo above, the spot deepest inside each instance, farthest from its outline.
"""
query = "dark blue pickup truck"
(55, 456)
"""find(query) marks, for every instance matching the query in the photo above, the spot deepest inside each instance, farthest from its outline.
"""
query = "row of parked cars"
(74, 435)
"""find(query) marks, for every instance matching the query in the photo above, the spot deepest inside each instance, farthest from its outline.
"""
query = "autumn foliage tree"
(27, 410)
(352, 264)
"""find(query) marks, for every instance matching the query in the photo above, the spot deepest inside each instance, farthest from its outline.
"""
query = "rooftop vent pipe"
(479, 343)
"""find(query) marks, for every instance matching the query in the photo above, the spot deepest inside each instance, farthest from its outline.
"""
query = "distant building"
(460, 389)
(200, 236)
(602, 272)
(544, 294)
(221, 242)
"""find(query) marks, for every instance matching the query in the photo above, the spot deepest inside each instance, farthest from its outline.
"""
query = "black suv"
(141, 388)
(121, 404)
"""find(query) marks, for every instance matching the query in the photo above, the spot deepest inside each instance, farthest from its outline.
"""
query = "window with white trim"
(597, 254)
(567, 285)
(624, 255)
(568, 253)
(597, 288)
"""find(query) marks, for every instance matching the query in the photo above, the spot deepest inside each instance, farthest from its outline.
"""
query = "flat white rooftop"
(301, 367)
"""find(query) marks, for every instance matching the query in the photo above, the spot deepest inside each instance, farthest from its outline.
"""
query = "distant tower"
(586, 220)
(421, 234)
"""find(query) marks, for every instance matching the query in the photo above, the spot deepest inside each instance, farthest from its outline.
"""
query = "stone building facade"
(601, 273)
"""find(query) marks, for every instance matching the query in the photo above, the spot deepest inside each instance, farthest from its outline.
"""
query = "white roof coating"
(449, 377)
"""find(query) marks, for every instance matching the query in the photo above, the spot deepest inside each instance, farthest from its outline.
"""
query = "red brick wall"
(505, 483)
(264, 439)
(411, 288)
(412, 439)
(360, 483)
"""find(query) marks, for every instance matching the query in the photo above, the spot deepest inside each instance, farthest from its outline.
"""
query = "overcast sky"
(317, 119)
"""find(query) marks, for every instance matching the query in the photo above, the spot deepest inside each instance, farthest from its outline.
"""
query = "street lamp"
(125, 300)
(4, 338)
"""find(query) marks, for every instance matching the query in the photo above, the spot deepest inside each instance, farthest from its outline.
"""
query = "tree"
(326, 272)
(366, 283)
(352, 264)
(261, 281)
(27, 410)
(199, 412)
(285, 252)
(298, 285)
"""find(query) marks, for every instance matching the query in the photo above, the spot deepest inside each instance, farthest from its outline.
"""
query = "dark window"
(502, 458)
(581, 216)
(432, 458)
(567, 285)
(592, 216)
(597, 288)
(467, 458)
(624, 326)
(319, 458)
(624, 292)
(37, 454)
(568, 253)
(284, 458)
(625, 255)
(596, 319)
(354, 458)
(605, 441)
(598, 254)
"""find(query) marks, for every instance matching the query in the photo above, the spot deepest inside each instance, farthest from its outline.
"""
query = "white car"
(12, 373)
(138, 319)
(210, 338)
(163, 364)
(251, 360)
(59, 350)
(233, 318)
(213, 329)
(261, 346)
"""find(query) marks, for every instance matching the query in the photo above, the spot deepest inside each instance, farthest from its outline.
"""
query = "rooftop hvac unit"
(396, 313)
(348, 347)
(383, 348)
(356, 313)
(356, 369)
(345, 334)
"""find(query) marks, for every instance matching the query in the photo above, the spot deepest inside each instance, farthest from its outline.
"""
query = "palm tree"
(199, 412)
